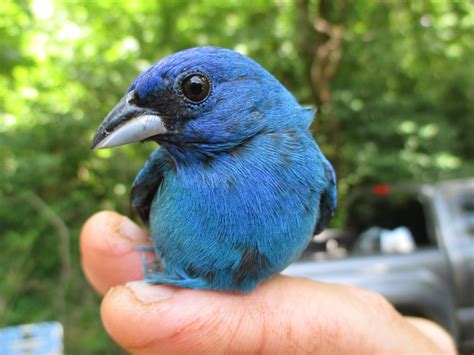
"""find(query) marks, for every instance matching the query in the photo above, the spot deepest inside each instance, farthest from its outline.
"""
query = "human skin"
(284, 315)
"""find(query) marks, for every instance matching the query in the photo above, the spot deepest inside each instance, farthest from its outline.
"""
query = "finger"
(435, 332)
(284, 315)
(163, 319)
(108, 255)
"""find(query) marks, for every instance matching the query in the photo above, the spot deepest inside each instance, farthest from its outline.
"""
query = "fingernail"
(147, 293)
(131, 231)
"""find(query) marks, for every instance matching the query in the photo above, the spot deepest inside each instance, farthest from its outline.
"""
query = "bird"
(238, 185)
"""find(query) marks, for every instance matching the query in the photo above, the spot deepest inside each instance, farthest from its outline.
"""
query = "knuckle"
(377, 303)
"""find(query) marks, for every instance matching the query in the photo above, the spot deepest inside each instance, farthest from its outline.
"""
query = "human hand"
(283, 315)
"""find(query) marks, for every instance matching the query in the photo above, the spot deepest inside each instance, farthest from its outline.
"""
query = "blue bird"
(238, 185)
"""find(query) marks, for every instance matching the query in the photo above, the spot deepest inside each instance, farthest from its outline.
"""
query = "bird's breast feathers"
(263, 193)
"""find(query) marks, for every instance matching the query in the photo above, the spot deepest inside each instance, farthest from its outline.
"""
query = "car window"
(466, 202)
(389, 212)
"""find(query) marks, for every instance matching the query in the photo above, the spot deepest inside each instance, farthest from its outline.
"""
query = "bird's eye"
(196, 87)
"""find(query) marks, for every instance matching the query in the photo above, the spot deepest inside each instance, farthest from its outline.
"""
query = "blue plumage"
(238, 185)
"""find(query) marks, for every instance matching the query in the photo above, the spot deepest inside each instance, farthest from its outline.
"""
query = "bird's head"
(204, 98)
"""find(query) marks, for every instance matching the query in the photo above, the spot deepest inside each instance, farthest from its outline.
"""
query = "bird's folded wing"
(147, 183)
(328, 201)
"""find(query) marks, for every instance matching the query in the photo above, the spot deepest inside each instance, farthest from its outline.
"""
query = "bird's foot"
(158, 278)
(147, 248)
(151, 267)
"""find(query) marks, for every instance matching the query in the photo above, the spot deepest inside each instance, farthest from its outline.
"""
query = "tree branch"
(64, 248)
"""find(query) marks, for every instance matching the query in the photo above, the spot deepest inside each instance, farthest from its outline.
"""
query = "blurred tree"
(393, 82)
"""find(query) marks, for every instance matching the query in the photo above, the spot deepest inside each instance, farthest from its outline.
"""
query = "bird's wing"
(147, 183)
(328, 201)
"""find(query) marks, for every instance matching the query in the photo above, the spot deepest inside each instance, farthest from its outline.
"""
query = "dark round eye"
(196, 87)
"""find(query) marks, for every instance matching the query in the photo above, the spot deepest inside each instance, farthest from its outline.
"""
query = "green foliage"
(406, 114)
(402, 99)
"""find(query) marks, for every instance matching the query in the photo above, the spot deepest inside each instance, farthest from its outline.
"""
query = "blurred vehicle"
(412, 243)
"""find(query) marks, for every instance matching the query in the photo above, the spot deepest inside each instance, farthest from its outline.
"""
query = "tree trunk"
(321, 48)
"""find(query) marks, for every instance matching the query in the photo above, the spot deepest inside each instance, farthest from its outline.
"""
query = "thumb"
(284, 315)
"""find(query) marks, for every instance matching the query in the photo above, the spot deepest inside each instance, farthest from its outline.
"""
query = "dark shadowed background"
(393, 82)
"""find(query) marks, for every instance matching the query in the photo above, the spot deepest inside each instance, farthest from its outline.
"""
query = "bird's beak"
(127, 123)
